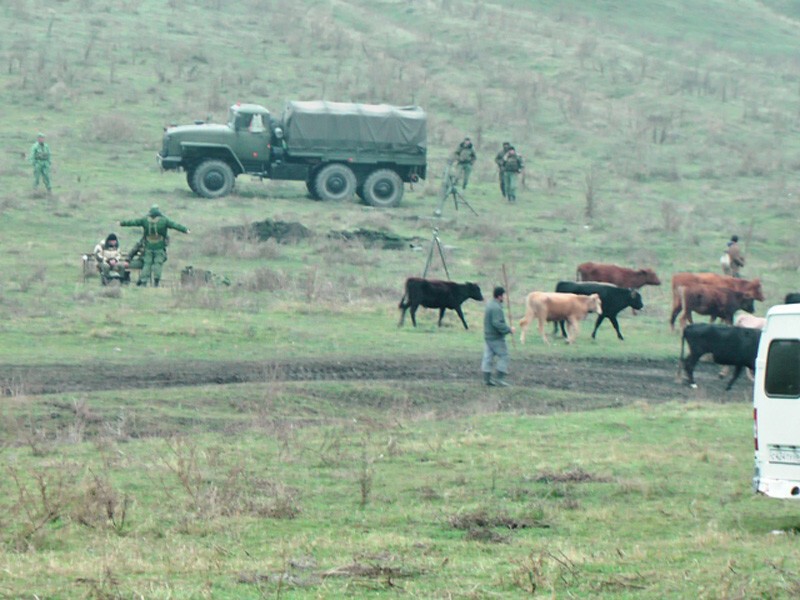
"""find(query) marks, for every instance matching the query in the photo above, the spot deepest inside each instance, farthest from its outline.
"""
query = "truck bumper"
(168, 163)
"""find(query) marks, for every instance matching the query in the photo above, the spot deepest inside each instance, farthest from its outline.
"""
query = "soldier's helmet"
(154, 211)
(39, 136)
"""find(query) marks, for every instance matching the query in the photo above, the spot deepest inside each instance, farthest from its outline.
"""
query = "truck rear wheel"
(213, 179)
(312, 189)
(383, 188)
(190, 180)
(335, 182)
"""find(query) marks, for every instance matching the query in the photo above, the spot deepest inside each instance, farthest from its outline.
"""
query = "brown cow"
(619, 276)
(750, 288)
(555, 306)
(713, 301)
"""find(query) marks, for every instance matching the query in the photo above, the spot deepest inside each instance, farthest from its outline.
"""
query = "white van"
(776, 405)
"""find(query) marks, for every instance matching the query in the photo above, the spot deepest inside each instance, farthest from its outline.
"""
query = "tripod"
(450, 189)
(435, 243)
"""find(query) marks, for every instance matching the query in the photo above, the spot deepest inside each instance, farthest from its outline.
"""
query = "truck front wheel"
(383, 188)
(190, 180)
(335, 182)
(213, 179)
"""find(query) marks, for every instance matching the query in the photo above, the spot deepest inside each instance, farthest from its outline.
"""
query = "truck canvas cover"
(321, 127)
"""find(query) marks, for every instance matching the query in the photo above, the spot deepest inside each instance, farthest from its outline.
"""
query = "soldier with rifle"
(39, 157)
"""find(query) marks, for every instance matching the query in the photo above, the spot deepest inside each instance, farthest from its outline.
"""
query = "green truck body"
(338, 149)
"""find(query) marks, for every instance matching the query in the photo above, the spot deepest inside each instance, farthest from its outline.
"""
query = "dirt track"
(653, 380)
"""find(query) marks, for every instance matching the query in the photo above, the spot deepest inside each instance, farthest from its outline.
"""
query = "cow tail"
(403, 304)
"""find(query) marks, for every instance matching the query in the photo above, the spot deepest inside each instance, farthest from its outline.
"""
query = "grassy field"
(651, 133)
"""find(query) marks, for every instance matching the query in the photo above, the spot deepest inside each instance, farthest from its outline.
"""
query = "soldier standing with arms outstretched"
(156, 228)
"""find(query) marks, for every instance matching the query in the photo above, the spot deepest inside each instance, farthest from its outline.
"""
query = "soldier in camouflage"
(156, 228)
(39, 157)
(498, 160)
(512, 167)
(464, 158)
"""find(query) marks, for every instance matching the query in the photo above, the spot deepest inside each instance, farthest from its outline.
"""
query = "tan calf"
(555, 306)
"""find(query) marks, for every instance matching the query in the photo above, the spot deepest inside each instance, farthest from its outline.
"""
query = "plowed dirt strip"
(653, 380)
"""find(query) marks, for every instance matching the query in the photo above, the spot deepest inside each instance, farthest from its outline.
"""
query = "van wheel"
(213, 179)
(335, 182)
(383, 188)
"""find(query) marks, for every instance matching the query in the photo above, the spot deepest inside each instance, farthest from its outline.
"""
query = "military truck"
(338, 149)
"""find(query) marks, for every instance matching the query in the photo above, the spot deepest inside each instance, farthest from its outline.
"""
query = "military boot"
(487, 379)
(141, 283)
(500, 380)
(156, 281)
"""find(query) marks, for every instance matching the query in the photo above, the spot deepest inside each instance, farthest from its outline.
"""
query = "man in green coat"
(156, 228)
(39, 157)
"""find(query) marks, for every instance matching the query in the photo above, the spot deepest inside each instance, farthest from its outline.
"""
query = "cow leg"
(542, 331)
(402, 316)
(736, 373)
(615, 323)
(572, 329)
(676, 308)
(563, 329)
(414, 308)
(461, 316)
(688, 365)
(441, 315)
(597, 325)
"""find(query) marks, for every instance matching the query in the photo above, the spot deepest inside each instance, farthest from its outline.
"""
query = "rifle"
(508, 304)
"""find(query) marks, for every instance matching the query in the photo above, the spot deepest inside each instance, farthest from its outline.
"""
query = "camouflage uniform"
(39, 157)
(465, 157)
(498, 160)
(156, 228)
(109, 258)
(512, 167)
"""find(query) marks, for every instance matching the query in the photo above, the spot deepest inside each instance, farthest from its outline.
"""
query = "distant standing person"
(733, 259)
(498, 160)
(39, 157)
(465, 157)
(512, 167)
(495, 330)
(156, 229)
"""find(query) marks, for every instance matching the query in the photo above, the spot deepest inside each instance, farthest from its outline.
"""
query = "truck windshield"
(783, 369)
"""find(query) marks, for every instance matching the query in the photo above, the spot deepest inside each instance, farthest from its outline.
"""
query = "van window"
(783, 368)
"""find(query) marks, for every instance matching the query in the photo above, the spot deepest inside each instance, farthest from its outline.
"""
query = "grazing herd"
(607, 290)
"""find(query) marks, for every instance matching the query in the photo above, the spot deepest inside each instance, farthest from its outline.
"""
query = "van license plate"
(787, 455)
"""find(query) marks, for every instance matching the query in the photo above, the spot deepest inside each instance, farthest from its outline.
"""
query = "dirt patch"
(376, 239)
(597, 382)
(282, 232)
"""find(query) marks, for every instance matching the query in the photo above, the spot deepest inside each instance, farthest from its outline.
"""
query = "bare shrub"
(100, 505)
(43, 495)
(110, 128)
(212, 488)
(266, 279)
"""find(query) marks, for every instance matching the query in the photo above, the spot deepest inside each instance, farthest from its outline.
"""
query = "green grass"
(314, 497)
(679, 119)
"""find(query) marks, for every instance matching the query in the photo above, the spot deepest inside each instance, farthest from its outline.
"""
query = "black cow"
(792, 298)
(613, 299)
(735, 346)
(433, 293)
